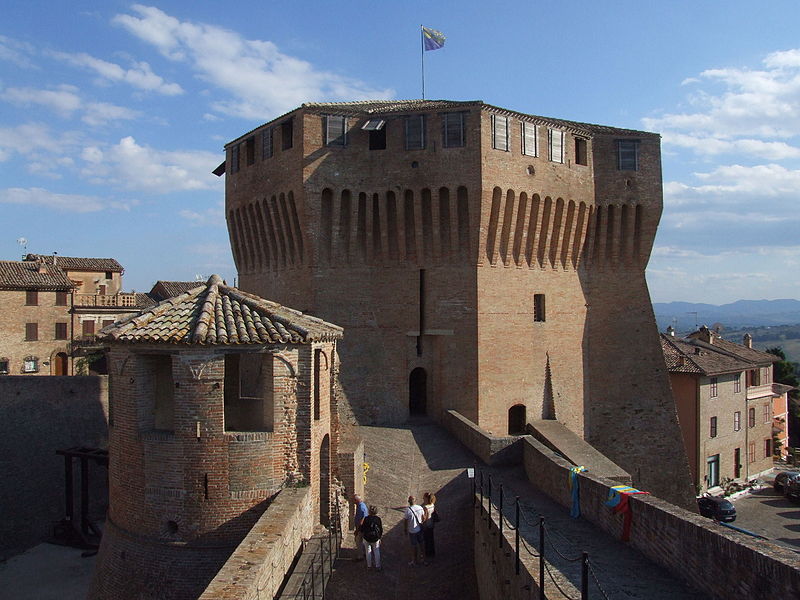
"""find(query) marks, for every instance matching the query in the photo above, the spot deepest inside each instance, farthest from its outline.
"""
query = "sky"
(113, 115)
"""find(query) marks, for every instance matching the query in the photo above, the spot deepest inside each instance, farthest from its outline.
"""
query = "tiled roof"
(167, 289)
(145, 300)
(693, 355)
(217, 314)
(74, 263)
(16, 274)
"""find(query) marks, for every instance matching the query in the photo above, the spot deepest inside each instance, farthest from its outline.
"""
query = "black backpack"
(372, 529)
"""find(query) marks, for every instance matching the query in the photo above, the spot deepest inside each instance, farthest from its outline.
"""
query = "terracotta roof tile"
(215, 314)
(16, 274)
(167, 289)
(75, 263)
(692, 355)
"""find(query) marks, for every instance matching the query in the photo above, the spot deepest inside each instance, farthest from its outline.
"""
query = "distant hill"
(736, 315)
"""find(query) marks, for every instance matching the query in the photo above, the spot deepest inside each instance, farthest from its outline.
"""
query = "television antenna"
(23, 243)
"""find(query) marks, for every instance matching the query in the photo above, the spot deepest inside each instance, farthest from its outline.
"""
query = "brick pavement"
(424, 457)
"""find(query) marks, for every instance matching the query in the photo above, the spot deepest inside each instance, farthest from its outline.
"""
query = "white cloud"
(102, 113)
(35, 139)
(63, 99)
(17, 52)
(131, 166)
(261, 81)
(214, 216)
(140, 75)
(63, 202)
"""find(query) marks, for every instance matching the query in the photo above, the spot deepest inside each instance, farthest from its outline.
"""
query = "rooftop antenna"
(23, 242)
(695, 318)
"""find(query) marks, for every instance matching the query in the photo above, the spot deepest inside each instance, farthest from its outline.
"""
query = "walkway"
(424, 457)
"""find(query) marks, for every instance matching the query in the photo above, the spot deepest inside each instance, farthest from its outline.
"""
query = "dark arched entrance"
(325, 481)
(60, 364)
(418, 392)
(517, 420)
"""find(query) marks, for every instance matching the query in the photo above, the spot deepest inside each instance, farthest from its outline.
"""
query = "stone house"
(218, 399)
(725, 398)
(481, 259)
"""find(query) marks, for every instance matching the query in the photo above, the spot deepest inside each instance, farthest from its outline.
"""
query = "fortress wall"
(681, 541)
(492, 450)
(40, 416)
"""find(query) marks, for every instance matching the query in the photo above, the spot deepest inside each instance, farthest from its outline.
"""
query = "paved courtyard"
(766, 512)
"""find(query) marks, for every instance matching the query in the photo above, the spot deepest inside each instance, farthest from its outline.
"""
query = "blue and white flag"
(432, 39)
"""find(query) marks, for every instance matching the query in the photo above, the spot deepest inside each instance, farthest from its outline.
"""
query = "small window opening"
(287, 134)
(163, 393)
(317, 383)
(628, 155)
(377, 139)
(31, 297)
(31, 332)
(453, 134)
(61, 298)
(4, 366)
(61, 331)
(556, 139)
(500, 132)
(538, 308)
(415, 132)
(250, 145)
(30, 364)
(235, 158)
(581, 152)
(172, 527)
(517, 420)
(529, 142)
(248, 396)
(335, 130)
(266, 143)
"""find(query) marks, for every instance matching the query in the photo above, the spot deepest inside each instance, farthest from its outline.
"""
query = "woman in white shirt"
(428, 505)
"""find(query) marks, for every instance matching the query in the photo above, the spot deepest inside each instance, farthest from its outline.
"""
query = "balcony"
(759, 391)
(106, 300)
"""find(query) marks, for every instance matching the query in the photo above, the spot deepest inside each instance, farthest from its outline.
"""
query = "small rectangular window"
(4, 366)
(415, 132)
(109, 275)
(538, 308)
(737, 383)
(31, 297)
(714, 387)
(529, 142)
(266, 143)
(581, 152)
(713, 427)
(766, 412)
(751, 417)
(628, 155)
(556, 141)
(768, 375)
(61, 331)
(767, 447)
(31, 332)
(87, 327)
(500, 132)
(107, 322)
(335, 130)
(61, 298)
(30, 365)
(287, 134)
(751, 452)
(235, 158)
(377, 139)
(453, 130)
(737, 421)
(250, 146)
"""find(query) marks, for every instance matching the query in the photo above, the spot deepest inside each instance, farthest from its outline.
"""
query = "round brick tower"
(217, 399)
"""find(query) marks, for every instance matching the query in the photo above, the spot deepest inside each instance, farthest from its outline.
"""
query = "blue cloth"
(361, 512)
(574, 485)
(432, 39)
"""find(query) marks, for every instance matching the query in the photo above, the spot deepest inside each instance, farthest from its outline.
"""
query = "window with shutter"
(31, 332)
(628, 155)
(235, 159)
(250, 147)
(415, 132)
(556, 138)
(61, 298)
(87, 327)
(266, 143)
(31, 297)
(500, 132)
(335, 130)
(61, 331)
(581, 152)
(287, 134)
(529, 139)
(453, 130)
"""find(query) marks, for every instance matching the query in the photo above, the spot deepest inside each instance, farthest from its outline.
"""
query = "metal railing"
(486, 489)
(316, 577)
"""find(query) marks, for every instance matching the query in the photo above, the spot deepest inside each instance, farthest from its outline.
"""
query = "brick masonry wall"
(14, 314)
(258, 566)
(683, 542)
(492, 450)
(351, 469)
(41, 415)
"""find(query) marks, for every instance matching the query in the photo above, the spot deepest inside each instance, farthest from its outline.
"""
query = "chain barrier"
(555, 583)
(597, 581)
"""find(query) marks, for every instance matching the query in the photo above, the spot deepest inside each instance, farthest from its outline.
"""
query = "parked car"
(791, 489)
(783, 478)
(717, 508)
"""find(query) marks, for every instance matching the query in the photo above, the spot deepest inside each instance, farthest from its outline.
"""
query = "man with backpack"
(371, 532)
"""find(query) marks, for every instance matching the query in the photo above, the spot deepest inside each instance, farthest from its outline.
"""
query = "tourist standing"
(371, 532)
(358, 520)
(431, 518)
(414, 516)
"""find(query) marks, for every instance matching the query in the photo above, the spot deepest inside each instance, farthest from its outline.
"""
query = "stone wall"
(258, 566)
(492, 450)
(351, 468)
(683, 542)
(40, 416)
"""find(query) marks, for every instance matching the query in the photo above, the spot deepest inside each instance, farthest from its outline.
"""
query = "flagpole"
(422, 58)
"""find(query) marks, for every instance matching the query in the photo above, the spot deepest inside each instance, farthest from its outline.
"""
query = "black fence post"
(313, 578)
(322, 566)
(516, 536)
(500, 516)
(489, 522)
(541, 558)
(481, 490)
(585, 577)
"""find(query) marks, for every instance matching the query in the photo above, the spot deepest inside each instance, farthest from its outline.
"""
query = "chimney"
(747, 340)
(671, 331)
(706, 335)
(55, 259)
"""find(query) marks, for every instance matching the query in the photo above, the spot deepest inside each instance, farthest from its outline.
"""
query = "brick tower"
(480, 259)
(217, 399)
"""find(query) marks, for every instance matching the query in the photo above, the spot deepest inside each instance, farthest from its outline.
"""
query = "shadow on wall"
(42, 415)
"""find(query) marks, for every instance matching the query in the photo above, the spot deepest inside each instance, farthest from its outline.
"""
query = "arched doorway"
(418, 392)
(325, 481)
(60, 363)
(517, 420)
